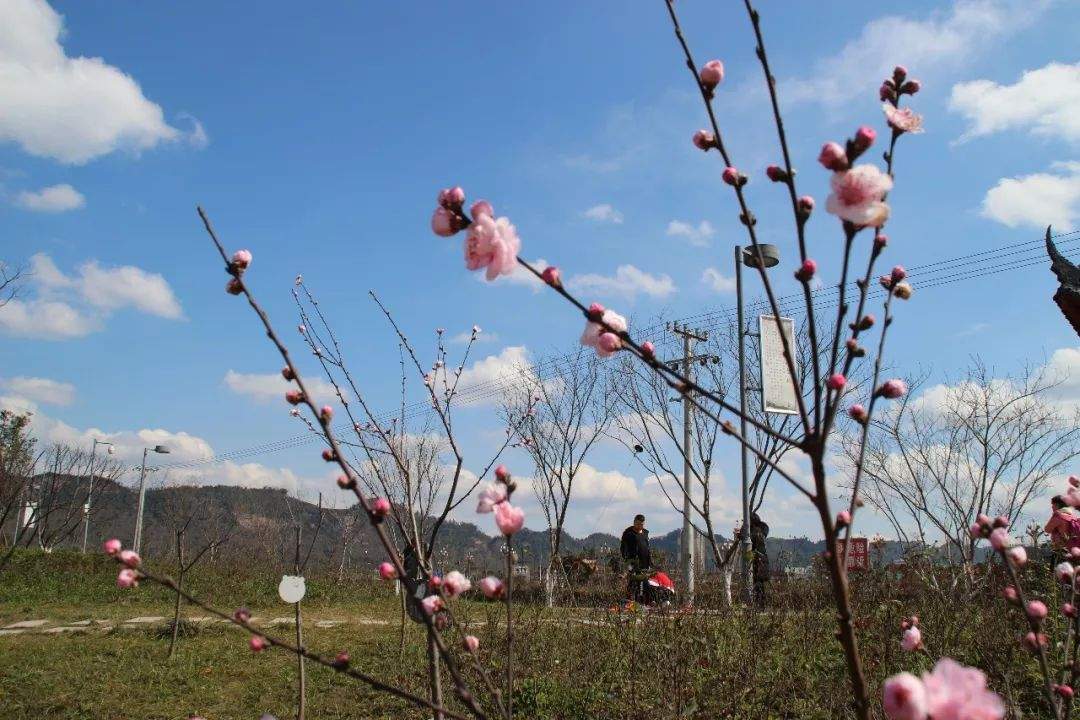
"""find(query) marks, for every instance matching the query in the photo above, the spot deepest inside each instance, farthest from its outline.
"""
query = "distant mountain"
(261, 526)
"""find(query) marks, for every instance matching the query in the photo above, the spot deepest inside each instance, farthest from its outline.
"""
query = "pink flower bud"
(836, 381)
(508, 518)
(898, 273)
(776, 173)
(880, 241)
(1010, 594)
(1018, 555)
(451, 198)
(294, 397)
(432, 604)
(703, 140)
(865, 322)
(911, 639)
(328, 455)
(341, 660)
(326, 414)
(345, 482)
(1033, 641)
(712, 74)
(455, 584)
(898, 74)
(1074, 552)
(234, 286)
(241, 259)
(470, 643)
(910, 87)
(1074, 481)
(864, 137)
(1064, 571)
(127, 578)
(903, 290)
(380, 507)
(731, 176)
(806, 271)
(257, 643)
(975, 530)
(1068, 610)
(130, 558)
(857, 413)
(444, 223)
(596, 312)
(843, 519)
(242, 615)
(482, 207)
(287, 373)
(502, 474)
(1036, 609)
(999, 539)
(983, 519)
(833, 157)
(387, 571)
(647, 349)
(491, 587)
(887, 91)
(551, 276)
(1064, 691)
(610, 342)
(893, 389)
(1000, 521)
(112, 547)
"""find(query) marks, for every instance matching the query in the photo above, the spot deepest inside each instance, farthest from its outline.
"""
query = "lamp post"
(765, 256)
(137, 543)
(90, 490)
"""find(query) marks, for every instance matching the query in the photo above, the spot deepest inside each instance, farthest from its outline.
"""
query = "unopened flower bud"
(326, 414)
(806, 205)
(241, 259)
(898, 273)
(1000, 522)
(502, 474)
(1010, 594)
(380, 508)
(387, 571)
(451, 198)
(776, 173)
(1064, 691)
(551, 276)
(287, 373)
(703, 140)
(328, 455)
(806, 271)
(864, 137)
(130, 558)
(865, 322)
(857, 413)
(1036, 609)
(712, 74)
(836, 381)
(609, 342)
(903, 290)
(899, 74)
(880, 241)
(893, 389)
(1068, 610)
(242, 615)
(732, 177)
(345, 482)
(257, 643)
(887, 91)
(1018, 555)
(648, 349)
(294, 397)
(127, 578)
(341, 660)
(843, 519)
(833, 157)
(910, 87)
(470, 643)
(112, 547)
(482, 207)
(234, 286)
(595, 312)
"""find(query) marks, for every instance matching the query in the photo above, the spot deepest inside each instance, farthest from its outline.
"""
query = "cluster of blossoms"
(895, 283)
(996, 530)
(495, 498)
(241, 259)
(901, 120)
(489, 243)
(950, 692)
(128, 576)
(858, 191)
(603, 330)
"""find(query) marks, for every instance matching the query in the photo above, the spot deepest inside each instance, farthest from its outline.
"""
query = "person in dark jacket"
(759, 530)
(634, 549)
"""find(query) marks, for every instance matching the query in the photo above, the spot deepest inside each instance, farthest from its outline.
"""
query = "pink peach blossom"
(130, 558)
(999, 539)
(471, 643)
(712, 74)
(955, 692)
(1018, 555)
(481, 207)
(836, 381)
(491, 244)
(609, 343)
(904, 698)
(903, 120)
(843, 518)
(127, 578)
(455, 584)
(257, 643)
(509, 518)
(491, 587)
(893, 389)
(911, 639)
(241, 259)
(491, 496)
(1064, 571)
(594, 330)
(432, 604)
(833, 157)
(387, 571)
(1036, 609)
(857, 196)
(112, 546)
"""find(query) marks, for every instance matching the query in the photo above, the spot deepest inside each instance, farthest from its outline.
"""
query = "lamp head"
(769, 253)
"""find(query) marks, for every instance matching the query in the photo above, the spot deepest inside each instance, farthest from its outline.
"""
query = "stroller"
(653, 588)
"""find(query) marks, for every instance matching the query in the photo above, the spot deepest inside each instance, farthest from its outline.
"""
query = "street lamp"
(90, 490)
(758, 256)
(142, 495)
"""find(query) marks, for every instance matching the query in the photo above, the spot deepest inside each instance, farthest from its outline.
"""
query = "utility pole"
(687, 546)
(137, 543)
(90, 491)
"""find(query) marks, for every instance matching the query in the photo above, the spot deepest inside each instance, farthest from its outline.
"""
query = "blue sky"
(318, 139)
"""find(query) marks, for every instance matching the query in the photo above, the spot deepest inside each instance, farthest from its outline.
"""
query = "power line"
(928, 275)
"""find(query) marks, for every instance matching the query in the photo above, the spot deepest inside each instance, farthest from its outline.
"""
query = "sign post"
(779, 393)
(858, 557)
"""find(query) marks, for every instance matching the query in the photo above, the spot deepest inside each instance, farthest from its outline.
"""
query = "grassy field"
(570, 664)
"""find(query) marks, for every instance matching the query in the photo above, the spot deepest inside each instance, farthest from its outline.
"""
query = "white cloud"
(72, 109)
(53, 199)
(604, 214)
(610, 485)
(1064, 369)
(1037, 200)
(196, 137)
(41, 390)
(938, 43)
(503, 369)
(67, 306)
(717, 281)
(593, 164)
(697, 236)
(271, 387)
(1046, 102)
(627, 283)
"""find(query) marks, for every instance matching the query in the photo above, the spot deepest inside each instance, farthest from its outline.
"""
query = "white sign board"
(292, 588)
(778, 391)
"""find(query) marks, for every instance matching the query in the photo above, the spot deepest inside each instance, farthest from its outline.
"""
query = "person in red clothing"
(1063, 526)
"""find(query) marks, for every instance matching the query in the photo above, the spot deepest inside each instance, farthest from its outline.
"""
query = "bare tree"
(11, 280)
(982, 445)
(559, 420)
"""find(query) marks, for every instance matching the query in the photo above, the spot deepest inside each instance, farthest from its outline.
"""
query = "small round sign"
(291, 589)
